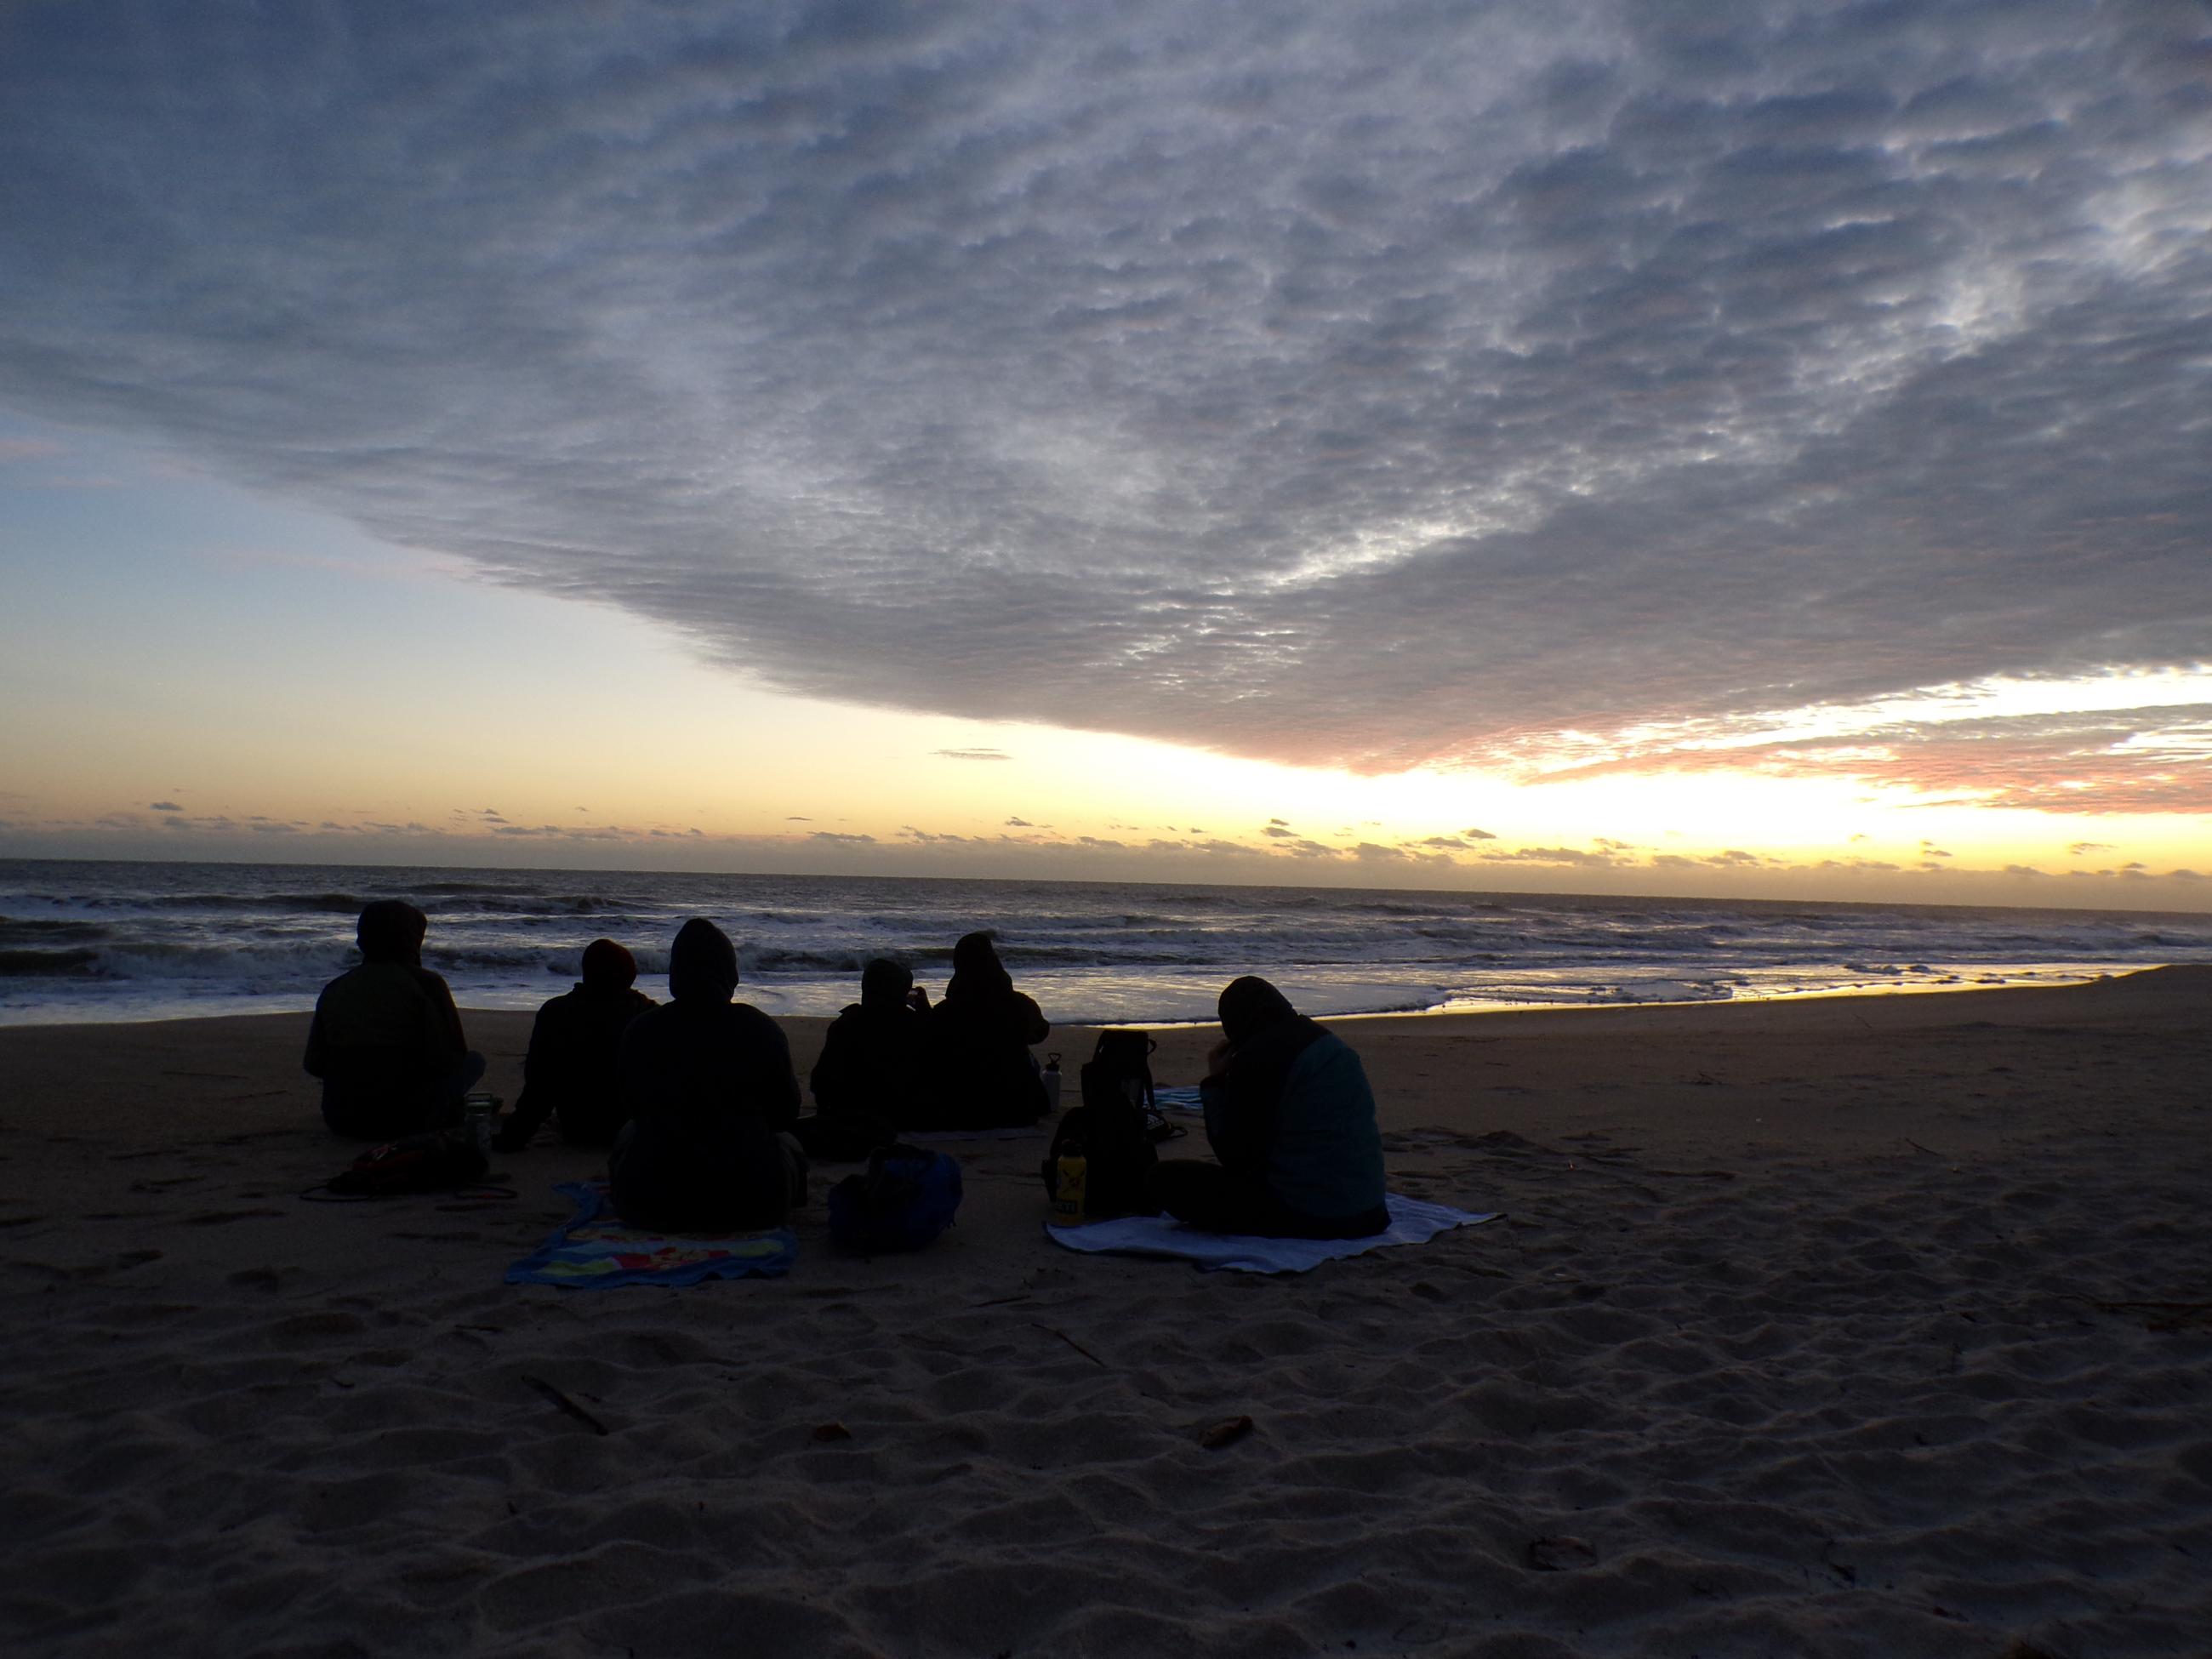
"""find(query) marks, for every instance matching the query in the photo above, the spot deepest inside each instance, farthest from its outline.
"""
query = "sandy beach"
(1867, 1327)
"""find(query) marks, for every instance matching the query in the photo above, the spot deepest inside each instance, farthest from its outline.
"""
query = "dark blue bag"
(906, 1198)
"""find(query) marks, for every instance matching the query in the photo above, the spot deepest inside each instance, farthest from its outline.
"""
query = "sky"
(1709, 449)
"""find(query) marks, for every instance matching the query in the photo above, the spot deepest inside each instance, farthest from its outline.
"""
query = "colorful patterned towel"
(592, 1250)
(1412, 1221)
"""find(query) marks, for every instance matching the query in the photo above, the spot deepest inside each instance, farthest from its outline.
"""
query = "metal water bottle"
(1052, 1082)
(476, 1114)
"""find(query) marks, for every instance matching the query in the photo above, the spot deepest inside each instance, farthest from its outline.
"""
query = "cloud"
(973, 754)
(1566, 857)
(165, 806)
(1276, 829)
(1008, 361)
(1019, 823)
(839, 838)
(28, 449)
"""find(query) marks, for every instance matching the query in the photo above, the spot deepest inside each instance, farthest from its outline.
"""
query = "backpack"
(1111, 1129)
(433, 1163)
(906, 1198)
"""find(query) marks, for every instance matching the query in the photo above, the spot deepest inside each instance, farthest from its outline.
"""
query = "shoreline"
(2059, 975)
(1829, 1326)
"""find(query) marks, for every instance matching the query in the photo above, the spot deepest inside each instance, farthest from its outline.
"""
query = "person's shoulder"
(345, 981)
(1326, 1052)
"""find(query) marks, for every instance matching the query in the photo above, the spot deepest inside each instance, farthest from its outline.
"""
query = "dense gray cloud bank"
(1370, 385)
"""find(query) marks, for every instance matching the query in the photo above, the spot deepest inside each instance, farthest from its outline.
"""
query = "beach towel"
(593, 1251)
(1412, 1221)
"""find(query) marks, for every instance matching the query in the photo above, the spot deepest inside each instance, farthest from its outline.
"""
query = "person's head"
(608, 966)
(976, 970)
(976, 955)
(885, 983)
(702, 963)
(392, 930)
(1250, 1005)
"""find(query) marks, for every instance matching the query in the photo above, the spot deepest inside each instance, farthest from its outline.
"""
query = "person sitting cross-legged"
(569, 1074)
(981, 1074)
(1292, 1120)
(386, 1039)
(870, 1073)
(711, 1096)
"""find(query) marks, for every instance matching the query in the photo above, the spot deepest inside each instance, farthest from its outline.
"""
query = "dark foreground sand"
(1858, 1327)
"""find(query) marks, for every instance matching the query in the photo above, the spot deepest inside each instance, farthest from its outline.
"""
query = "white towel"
(1412, 1221)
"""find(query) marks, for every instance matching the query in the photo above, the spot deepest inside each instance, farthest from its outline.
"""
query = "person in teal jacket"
(1292, 1120)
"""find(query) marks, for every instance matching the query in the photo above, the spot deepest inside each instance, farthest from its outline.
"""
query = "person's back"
(1324, 1157)
(1291, 1120)
(569, 1073)
(981, 1074)
(386, 1039)
(708, 1087)
(873, 1054)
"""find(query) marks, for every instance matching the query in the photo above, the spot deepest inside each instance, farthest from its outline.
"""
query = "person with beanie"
(711, 1096)
(569, 1074)
(386, 1039)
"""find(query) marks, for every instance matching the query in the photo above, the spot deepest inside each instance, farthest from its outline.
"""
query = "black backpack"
(1111, 1129)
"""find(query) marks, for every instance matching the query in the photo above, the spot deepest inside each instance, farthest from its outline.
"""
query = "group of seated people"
(700, 1109)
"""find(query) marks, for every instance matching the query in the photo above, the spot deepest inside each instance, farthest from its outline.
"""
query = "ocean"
(129, 941)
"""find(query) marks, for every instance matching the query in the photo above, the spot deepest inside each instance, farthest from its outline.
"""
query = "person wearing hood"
(386, 1039)
(569, 1074)
(710, 1093)
(869, 1076)
(1292, 1120)
(981, 1074)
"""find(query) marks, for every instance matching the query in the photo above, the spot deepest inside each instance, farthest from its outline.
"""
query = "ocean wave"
(78, 963)
(35, 930)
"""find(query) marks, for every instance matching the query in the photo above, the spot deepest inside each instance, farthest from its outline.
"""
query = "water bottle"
(1052, 1082)
(476, 1114)
(1070, 1188)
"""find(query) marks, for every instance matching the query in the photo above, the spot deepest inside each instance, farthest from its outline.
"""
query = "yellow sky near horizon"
(273, 684)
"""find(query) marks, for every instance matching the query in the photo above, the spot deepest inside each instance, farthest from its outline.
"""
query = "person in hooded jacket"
(870, 1074)
(569, 1074)
(386, 1039)
(710, 1093)
(981, 1074)
(1292, 1120)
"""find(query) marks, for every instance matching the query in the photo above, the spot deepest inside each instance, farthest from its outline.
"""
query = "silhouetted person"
(981, 1074)
(386, 1039)
(569, 1072)
(1289, 1116)
(869, 1079)
(708, 1086)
